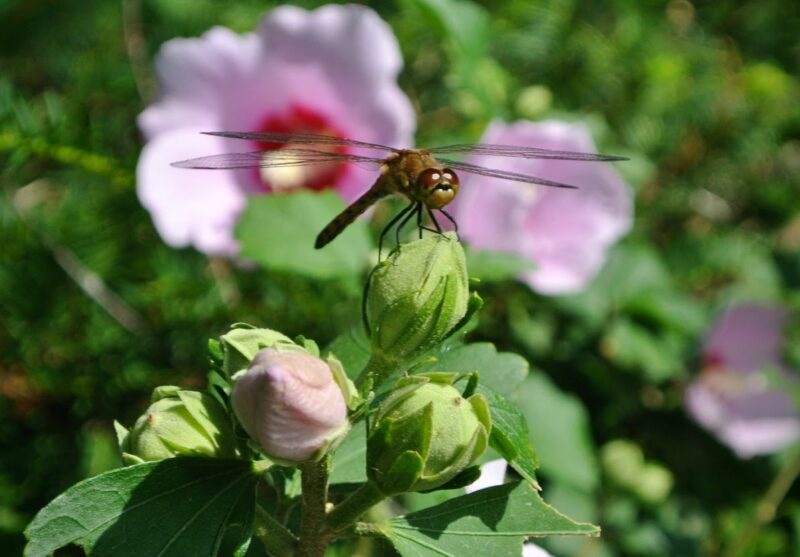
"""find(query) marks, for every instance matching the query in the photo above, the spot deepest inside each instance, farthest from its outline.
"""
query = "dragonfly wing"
(279, 158)
(502, 174)
(522, 152)
(301, 138)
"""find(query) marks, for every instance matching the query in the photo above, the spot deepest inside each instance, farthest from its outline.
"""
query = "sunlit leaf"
(492, 521)
(175, 507)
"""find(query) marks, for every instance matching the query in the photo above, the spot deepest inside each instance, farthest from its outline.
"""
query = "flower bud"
(290, 403)
(179, 422)
(425, 434)
(417, 296)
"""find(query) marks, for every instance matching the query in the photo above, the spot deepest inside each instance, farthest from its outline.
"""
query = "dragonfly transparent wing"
(521, 152)
(300, 138)
(279, 158)
(502, 174)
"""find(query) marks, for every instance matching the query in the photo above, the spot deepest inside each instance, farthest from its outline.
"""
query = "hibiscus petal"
(743, 396)
(566, 233)
(189, 207)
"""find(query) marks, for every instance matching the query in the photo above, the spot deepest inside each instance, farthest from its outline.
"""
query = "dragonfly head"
(438, 186)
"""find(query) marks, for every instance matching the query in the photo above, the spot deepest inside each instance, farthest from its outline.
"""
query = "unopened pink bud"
(288, 401)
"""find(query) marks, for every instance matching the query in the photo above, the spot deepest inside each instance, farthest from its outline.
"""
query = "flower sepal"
(241, 344)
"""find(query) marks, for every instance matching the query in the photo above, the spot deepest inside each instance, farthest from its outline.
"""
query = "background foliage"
(95, 310)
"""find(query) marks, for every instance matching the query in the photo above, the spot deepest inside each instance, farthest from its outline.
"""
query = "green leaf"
(492, 521)
(493, 266)
(350, 458)
(175, 507)
(502, 372)
(464, 23)
(510, 435)
(352, 349)
(278, 232)
(632, 270)
(559, 426)
(657, 357)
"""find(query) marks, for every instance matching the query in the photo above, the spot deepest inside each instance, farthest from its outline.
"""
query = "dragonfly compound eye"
(439, 186)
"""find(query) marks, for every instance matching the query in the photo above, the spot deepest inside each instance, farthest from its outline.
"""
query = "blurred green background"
(95, 310)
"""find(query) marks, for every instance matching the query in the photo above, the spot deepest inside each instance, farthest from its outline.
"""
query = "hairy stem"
(349, 510)
(313, 540)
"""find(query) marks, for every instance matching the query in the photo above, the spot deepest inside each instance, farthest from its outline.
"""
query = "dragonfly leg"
(417, 207)
(434, 221)
(451, 219)
(389, 226)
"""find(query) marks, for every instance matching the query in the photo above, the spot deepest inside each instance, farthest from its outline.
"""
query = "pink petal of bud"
(289, 402)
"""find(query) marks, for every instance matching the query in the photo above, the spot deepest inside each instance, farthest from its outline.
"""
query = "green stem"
(767, 507)
(277, 540)
(378, 369)
(349, 510)
(314, 476)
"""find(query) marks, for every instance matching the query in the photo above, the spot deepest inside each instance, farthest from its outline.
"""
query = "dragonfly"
(427, 179)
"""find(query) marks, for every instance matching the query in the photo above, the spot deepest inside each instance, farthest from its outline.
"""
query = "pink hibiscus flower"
(743, 394)
(565, 233)
(332, 70)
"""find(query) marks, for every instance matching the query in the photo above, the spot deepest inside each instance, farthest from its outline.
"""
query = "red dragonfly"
(421, 175)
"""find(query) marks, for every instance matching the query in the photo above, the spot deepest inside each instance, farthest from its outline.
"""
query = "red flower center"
(316, 177)
(713, 362)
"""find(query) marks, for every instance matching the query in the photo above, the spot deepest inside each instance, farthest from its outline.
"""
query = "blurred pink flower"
(743, 394)
(331, 70)
(494, 473)
(565, 233)
(290, 404)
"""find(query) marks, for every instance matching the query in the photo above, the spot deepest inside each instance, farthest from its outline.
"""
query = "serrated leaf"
(278, 232)
(492, 266)
(510, 436)
(175, 507)
(502, 372)
(492, 521)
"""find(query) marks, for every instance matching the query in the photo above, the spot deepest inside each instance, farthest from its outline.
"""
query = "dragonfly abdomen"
(343, 219)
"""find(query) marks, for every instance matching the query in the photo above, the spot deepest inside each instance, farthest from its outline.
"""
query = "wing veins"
(504, 174)
(523, 152)
(301, 138)
(280, 158)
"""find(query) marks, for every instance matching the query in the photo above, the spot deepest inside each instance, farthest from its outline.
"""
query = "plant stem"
(349, 510)
(277, 540)
(378, 369)
(767, 507)
(313, 540)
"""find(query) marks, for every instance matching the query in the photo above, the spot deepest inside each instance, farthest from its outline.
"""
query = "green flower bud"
(417, 296)
(425, 434)
(179, 422)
